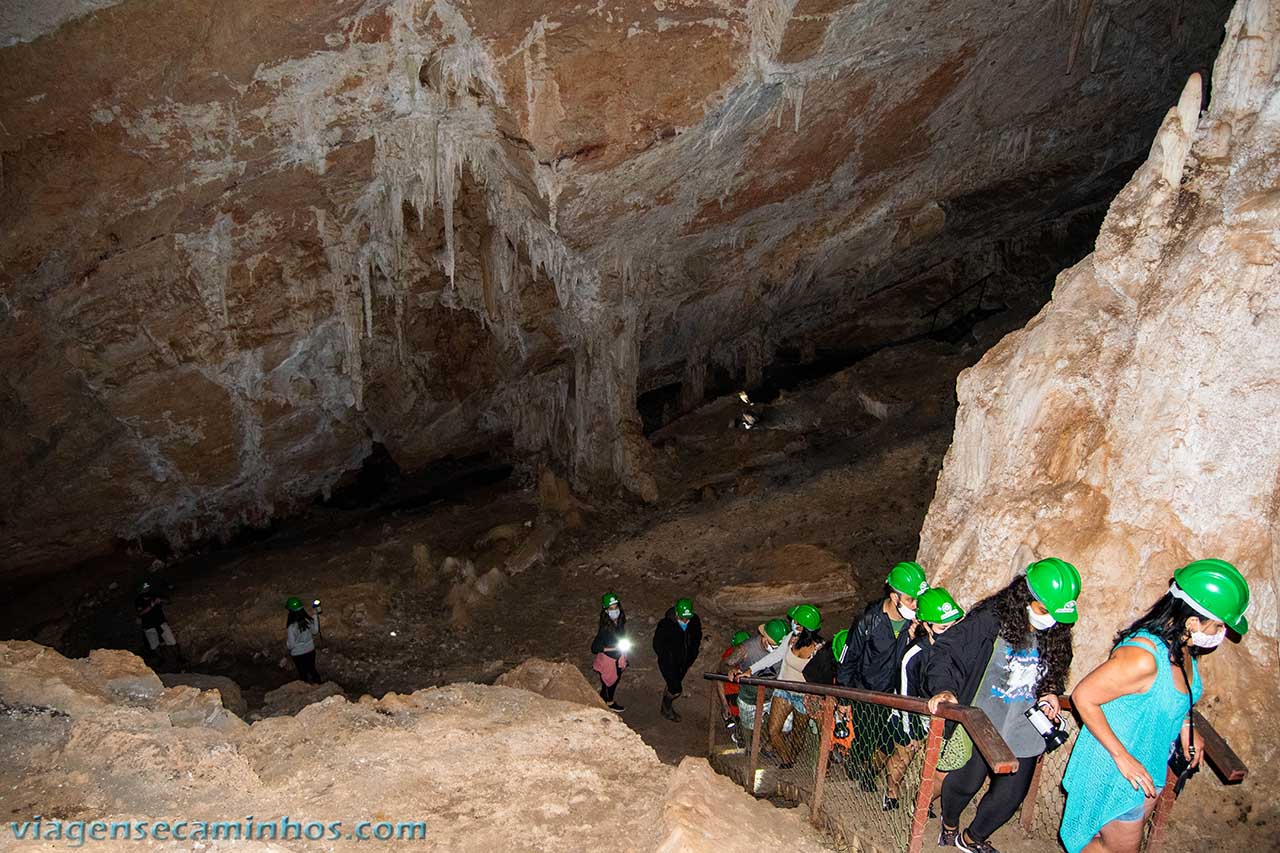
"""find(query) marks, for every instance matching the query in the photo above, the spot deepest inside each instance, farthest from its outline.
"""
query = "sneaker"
(964, 842)
(947, 837)
(888, 803)
(614, 706)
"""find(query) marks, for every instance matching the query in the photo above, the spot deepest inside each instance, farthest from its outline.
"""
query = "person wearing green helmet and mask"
(1010, 654)
(937, 612)
(767, 638)
(301, 630)
(792, 656)
(877, 641)
(676, 641)
(610, 646)
(1137, 706)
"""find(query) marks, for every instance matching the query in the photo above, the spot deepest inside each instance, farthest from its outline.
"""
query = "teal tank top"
(1147, 724)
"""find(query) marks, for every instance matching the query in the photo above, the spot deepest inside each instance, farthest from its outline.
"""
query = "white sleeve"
(774, 657)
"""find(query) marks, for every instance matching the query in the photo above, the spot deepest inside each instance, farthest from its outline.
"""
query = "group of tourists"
(1010, 655)
(677, 639)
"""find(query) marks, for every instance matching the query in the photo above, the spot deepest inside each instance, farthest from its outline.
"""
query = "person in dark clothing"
(876, 643)
(1012, 652)
(937, 613)
(610, 647)
(676, 642)
(155, 627)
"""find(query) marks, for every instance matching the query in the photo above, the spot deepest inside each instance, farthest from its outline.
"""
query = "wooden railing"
(986, 739)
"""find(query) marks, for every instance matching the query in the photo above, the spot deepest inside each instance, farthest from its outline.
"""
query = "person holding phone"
(1137, 705)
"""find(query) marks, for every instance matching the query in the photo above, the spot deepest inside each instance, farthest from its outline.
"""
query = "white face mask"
(904, 611)
(1040, 623)
(1207, 641)
(614, 612)
(796, 627)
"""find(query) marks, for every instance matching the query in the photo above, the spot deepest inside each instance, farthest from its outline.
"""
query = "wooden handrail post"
(1160, 817)
(711, 720)
(1028, 819)
(920, 818)
(827, 728)
(755, 741)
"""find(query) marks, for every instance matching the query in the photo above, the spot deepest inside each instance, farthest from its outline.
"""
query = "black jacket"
(961, 655)
(871, 653)
(913, 672)
(676, 648)
(608, 635)
(821, 668)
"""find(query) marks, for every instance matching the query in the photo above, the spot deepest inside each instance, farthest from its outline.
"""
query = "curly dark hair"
(606, 622)
(1167, 619)
(1055, 646)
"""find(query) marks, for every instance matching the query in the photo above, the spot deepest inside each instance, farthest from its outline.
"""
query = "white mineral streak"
(27, 20)
(1134, 425)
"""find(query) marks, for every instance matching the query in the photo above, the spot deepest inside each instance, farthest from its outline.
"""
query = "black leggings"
(606, 692)
(996, 806)
(306, 664)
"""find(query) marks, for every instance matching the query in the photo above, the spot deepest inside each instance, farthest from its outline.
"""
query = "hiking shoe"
(947, 837)
(888, 803)
(964, 842)
(614, 706)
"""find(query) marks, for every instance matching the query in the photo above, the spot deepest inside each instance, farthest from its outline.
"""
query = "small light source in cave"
(393, 633)
(624, 645)
(742, 395)
(746, 420)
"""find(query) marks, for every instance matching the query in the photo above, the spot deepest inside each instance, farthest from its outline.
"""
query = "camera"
(1054, 733)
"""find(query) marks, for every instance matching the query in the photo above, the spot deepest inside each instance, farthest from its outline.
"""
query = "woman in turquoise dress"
(1136, 704)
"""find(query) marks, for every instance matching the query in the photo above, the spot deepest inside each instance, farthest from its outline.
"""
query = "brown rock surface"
(795, 573)
(228, 690)
(1134, 425)
(480, 765)
(562, 681)
(244, 242)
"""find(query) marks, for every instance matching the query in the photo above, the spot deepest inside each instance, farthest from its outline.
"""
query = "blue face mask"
(683, 623)
(614, 612)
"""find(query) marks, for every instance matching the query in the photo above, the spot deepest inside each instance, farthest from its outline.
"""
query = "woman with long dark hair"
(301, 630)
(1011, 653)
(1138, 704)
(610, 647)
(791, 657)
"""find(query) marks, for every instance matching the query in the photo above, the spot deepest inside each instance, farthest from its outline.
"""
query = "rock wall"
(1134, 425)
(243, 242)
(485, 767)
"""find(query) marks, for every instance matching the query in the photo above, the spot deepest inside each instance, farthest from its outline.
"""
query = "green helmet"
(806, 615)
(1214, 588)
(608, 599)
(684, 608)
(908, 579)
(1055, 584)
(294, 603)
(838, 643)
(937, 606)
(776, 629)
(740, 638)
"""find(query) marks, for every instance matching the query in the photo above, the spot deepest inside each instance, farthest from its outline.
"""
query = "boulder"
(789, 575)
(293, 697)
(228, 690)
(562, 681)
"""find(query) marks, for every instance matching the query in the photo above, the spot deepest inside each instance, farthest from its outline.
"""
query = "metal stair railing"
(902, 729)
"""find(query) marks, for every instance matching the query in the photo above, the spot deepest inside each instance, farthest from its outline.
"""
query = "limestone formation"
(1134, 425)
(562, 681)
(245, 241)
(486, 768)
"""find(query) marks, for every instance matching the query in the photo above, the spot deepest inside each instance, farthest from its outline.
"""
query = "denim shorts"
(796, 699)
(1135, 813)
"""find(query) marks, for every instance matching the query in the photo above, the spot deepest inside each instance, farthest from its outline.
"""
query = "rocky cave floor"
(836, 482)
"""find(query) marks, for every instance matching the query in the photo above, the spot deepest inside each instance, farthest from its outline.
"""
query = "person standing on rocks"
(1137, 707)
(1011, 654)
(155, 627)
(610, 647)
(876, 643)
(301, 630)
(676, 642)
